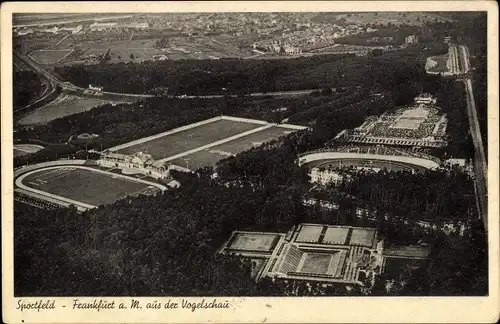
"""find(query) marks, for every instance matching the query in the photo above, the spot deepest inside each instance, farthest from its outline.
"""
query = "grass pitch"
(253, 242)
(316, 263)
(84, 185)
(188, 139)
(50, 56)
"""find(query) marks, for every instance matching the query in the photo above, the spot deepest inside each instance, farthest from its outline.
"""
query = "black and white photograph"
(249, 154)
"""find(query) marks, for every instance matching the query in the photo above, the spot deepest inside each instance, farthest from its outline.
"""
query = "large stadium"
(393, 142)
(421, 124)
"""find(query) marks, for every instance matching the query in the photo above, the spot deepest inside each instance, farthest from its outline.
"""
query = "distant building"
(138, 162)
(95, 88)
(425, 98)
(140, 26)
(324, 176)
(412, 39)
(102, 26)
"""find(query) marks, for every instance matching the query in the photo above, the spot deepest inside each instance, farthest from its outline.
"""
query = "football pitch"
(50, 56)
(316, 263)
(84, 184)
(253, 241)
(185, 140)
(212, 155)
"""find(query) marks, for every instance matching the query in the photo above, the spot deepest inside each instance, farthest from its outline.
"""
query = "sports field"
(23, 149)
(200, 159)
(50, 56)
(316, 263)
(437, 63)
(309, 233)
(335, 235)
(256, 139)
(191, 138)
(64, 105)
(362, 236)
(85, 185)
(214, 154)
(253, 241)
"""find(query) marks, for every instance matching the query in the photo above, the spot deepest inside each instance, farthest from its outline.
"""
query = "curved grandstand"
(376, 159)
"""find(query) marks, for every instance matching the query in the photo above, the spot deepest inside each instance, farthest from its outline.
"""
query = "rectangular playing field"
(191, 138)
(200, 159)
(256, 139)
(362, 236)
(253, 241)
(50, 56)
(316, 263)
(214, 154)
(309, 233)
(335, 235)
(84, 185)
(408, 123)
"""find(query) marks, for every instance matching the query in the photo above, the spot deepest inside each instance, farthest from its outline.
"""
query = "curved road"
(68, 86)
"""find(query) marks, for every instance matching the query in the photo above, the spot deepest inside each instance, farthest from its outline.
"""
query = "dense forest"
(239, 76)
(27, 86)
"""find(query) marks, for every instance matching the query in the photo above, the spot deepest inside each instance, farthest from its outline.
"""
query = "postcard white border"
(261, 309)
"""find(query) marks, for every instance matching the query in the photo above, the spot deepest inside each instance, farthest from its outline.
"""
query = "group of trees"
(243, 76)
(27, 86)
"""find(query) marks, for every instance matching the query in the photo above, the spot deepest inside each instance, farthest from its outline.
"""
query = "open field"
(64, 105)
(23, 149)
(212, 155)
(245, 143)
(437, 63)
(335, 235)
(362, 236)
(200, 159)
(309, 233)
(84, 185)
(316, 263)
(191, 138)
(50, 56)
(253, 241)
